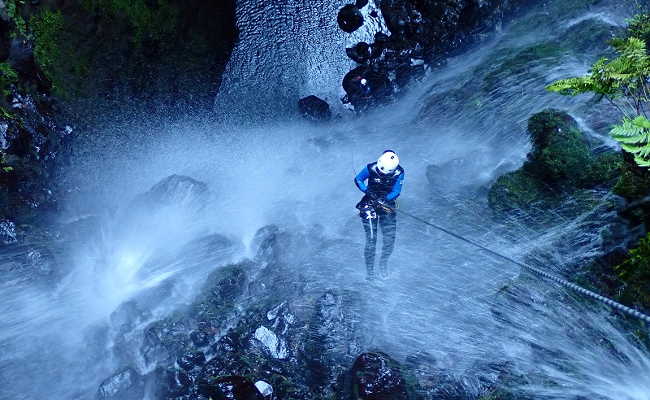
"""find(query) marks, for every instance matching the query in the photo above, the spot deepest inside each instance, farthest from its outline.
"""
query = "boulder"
(124, 385)
(359, 53)
(175, 190)
(367, 85)
(560, 151)
(350, 18)
(560, 164)
(314, 108)
(376, 376)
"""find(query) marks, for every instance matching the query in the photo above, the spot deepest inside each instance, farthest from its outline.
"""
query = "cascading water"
(443, 298)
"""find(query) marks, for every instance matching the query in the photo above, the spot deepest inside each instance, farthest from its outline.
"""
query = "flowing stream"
(442, 296)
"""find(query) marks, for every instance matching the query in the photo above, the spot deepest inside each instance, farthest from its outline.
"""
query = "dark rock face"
(314, 108)
(439, 25)
(124, 385)
(421, 33)
(375, 376)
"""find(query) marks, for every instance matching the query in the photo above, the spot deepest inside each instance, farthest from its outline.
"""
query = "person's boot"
(383, 268)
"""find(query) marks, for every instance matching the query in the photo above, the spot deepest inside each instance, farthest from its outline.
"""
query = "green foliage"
(625, 83)
(634, 137)
(20, 27)
(635, 275)
(8, 77)
(625, 76)
(47, 27)
(639, 27)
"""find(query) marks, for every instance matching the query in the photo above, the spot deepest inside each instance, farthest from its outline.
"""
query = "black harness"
(380, 185)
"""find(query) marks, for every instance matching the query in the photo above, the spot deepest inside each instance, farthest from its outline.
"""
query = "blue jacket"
(388, 187)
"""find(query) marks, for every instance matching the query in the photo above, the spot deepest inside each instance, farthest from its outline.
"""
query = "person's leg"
(388, 224)
(370, 226)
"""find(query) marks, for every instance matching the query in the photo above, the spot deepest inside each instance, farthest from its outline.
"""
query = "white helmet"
(388, 162)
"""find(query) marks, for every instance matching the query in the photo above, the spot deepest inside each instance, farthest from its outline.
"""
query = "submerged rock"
(314, 108)
(124, 385)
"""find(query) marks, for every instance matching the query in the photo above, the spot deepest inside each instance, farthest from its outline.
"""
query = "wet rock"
(8, 232)
(264, 388)
(230, 388)
(163, 341)
(124, 385)
(359, 53)
(350, 18)
(314, 108)
(271, 245)
(172, 383)
(191, 360)
(276, 346)
(178, 191)
(366, 86)
(376, 376)
(333, 341)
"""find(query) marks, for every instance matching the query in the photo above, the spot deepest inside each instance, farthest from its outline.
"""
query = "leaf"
(8, 169)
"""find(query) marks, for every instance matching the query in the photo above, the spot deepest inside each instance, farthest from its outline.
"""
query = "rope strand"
(618, 306)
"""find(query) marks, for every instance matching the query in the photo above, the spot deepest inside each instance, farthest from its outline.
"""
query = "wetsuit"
(386, 188)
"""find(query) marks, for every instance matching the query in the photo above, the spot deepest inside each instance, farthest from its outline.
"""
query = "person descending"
(377, 207)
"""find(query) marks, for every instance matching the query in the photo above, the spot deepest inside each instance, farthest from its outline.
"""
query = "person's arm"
(361, 179)
(397, 188)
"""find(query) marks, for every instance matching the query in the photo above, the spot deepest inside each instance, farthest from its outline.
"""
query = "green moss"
(146, 22)
(635, 275)
(559, 166)
(560, 154)
(47, 28)
(515, 191)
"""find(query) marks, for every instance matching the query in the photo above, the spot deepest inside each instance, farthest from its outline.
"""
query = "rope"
(618, 306)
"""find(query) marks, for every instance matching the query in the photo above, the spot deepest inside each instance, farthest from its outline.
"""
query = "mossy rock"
(514, 191)
(560, 151)
(560, 166)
